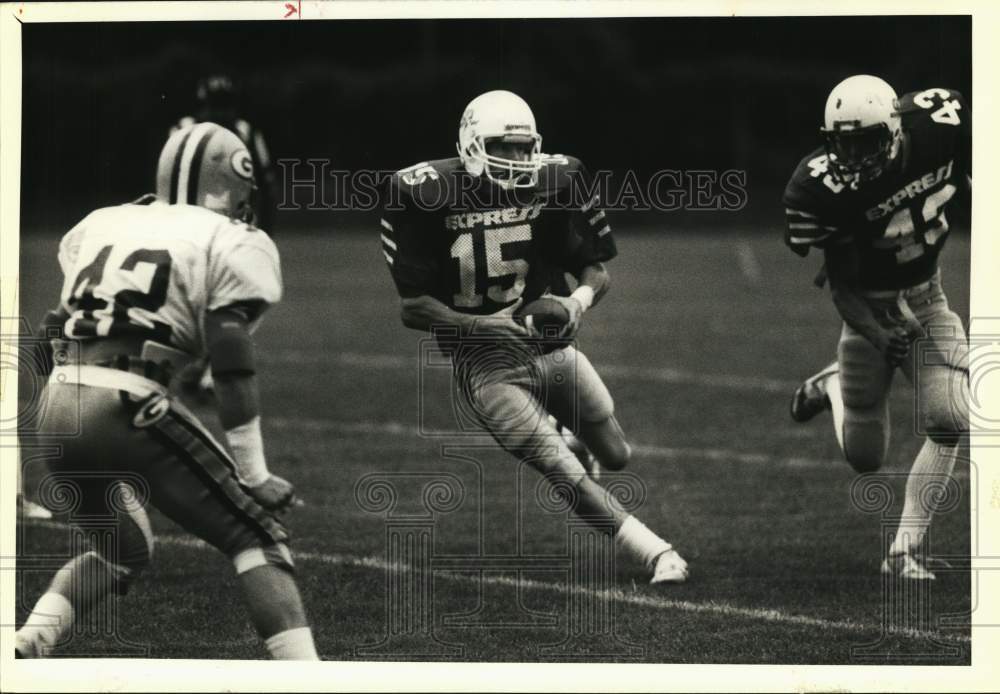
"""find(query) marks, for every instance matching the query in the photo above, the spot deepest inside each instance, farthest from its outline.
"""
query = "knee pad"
(866, 444)
(269, 555)
(944, 405)
(865, 377)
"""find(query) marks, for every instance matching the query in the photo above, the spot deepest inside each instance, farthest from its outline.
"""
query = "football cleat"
(26, 649)
(29, 509)
(810, 398)
(670, 568)
(912, 567)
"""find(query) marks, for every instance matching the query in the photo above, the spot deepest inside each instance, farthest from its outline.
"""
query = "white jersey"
(153, 270)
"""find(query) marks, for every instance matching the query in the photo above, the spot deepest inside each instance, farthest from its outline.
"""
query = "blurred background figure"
(220, 100)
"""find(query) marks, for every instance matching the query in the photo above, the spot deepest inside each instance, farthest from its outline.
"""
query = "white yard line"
(719, 609)
(622, 371)
(391, 428)
(747, 260)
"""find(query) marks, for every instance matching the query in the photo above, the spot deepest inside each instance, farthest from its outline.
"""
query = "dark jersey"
(478, 248)
(896, 222)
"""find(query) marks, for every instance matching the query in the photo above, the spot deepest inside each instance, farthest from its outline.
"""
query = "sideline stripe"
(721, 609)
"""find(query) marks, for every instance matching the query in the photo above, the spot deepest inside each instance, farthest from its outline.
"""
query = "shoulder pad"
(932, 107)
(560, 171)
(427, 179)
(243, 266)
(812, 187)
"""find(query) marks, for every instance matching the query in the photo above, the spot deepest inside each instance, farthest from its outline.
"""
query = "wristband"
(247, 446)
(585, 295)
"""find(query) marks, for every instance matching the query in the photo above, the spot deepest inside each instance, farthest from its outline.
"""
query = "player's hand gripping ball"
(546, 319)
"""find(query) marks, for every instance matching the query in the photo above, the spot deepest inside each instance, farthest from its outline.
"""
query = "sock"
(46, 625)
(293, 644)
(836, 407)
(639, 542)
(932, 468)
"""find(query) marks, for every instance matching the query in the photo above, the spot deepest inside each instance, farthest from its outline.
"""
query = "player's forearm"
(231, 353)
(856, 312)
(238, 398)
(595, 277)
(841, 266)
(426, 312)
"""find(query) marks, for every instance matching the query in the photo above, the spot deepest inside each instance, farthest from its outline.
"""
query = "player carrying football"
(149, 286)
(874, 200)
(469, 240)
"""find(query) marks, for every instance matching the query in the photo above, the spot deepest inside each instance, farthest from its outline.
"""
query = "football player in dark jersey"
(470, 239)
(874, 199)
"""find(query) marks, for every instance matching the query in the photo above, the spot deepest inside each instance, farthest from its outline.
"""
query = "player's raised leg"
(863, 383)
(88, 579)
(518, 422)
(579, 399)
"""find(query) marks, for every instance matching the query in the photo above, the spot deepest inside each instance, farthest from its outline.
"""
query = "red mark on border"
(293, 9)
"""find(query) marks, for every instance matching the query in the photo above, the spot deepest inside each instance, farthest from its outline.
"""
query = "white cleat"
(907, 566)
(27, 649)
(670, 568)
(29, 509)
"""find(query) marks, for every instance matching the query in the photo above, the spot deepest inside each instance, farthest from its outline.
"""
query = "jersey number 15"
(482, 268)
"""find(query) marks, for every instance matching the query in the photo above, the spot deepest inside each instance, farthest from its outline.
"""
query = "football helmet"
(862, 128)
(204, 164)
(500, 115)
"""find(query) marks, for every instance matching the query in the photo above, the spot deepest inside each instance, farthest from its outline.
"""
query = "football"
(545, 317)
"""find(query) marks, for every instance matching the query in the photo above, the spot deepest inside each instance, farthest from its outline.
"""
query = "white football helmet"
(862, 128)
(204, 164)
(506, 116)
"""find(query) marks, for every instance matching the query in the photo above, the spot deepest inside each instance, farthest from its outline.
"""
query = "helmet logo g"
(242, 164)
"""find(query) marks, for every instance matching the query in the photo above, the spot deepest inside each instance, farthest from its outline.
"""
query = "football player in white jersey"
(147, 287)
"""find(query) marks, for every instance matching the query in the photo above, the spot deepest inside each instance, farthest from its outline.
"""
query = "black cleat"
(810, 398)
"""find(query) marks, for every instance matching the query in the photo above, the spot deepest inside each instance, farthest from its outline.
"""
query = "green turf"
(759, 506)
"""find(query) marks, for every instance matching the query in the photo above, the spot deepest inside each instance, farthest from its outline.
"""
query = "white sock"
(46, 625)
(639, 542)
(932, 467)
(294, 644)
(836, 407)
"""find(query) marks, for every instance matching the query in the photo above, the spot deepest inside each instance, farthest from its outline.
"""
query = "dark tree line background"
(642, 94)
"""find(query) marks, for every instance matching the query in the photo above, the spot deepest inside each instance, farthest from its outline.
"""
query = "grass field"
(701, 341)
